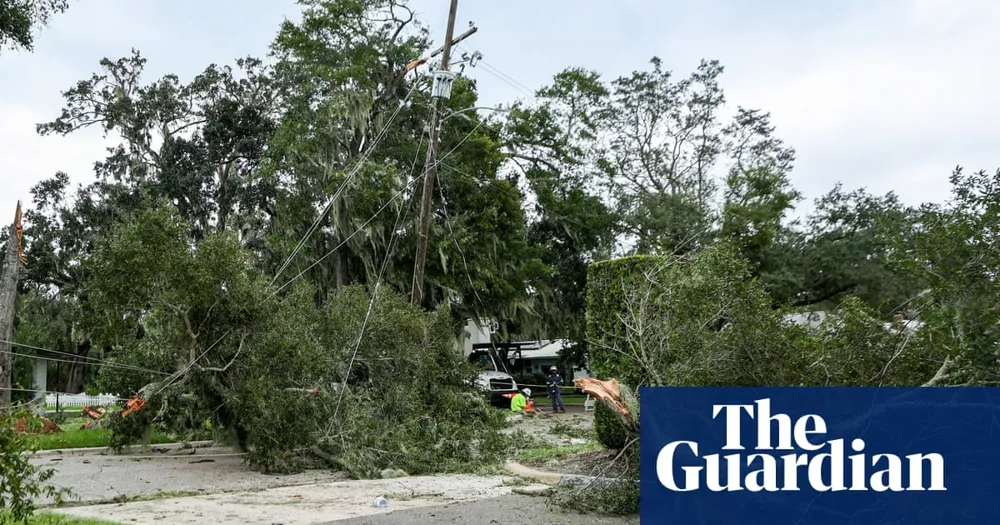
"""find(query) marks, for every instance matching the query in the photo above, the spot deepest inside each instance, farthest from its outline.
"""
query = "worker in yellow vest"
(521, 402)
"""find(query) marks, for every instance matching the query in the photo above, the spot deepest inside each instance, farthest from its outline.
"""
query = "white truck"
(493, 375)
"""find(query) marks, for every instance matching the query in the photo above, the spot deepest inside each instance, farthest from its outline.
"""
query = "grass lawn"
(73, 437)
(76, 438)
(569, 399)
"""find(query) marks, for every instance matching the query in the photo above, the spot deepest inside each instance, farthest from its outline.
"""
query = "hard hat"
(553, 369)
(527, 391)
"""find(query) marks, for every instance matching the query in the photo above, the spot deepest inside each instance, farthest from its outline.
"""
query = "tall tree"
(350, 154)
(663, 139)
(953, 247)
(757, 195)
(553, 145)
(10, 274)
(195, 144)
(843, 249)
(348, 135)
(20, 20)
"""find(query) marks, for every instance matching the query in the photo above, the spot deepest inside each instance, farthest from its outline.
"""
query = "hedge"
(607, 283)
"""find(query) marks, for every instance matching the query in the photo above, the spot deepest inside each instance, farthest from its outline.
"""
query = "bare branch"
(243, 339)
(943, 373)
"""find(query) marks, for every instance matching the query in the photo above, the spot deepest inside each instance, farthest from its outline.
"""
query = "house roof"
(544, 349)
(816, 319)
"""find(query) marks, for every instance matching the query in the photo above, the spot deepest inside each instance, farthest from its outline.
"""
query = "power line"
(511, 81)
(177, 375)
(400, 218)
(349, 237)
(380, 210)
(109, 364)
(465, 263)
(77, 358)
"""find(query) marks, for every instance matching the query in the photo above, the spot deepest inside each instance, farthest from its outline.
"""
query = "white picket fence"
(79, 400)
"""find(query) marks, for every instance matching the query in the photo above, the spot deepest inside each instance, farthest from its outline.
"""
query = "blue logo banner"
(820, 456)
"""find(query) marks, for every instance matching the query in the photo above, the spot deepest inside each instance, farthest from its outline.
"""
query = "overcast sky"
(888, 95)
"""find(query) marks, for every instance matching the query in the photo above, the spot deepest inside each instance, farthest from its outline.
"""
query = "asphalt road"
(94, 477)
(508, 510)
(101, 478)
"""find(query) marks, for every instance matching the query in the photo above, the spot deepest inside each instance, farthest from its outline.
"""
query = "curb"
(97, 450)
(552, 478)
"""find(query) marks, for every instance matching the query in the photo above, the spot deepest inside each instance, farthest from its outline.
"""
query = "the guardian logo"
(810, 460)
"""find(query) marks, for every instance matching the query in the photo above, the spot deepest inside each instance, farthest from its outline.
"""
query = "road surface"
(95, 477)
(508, 510)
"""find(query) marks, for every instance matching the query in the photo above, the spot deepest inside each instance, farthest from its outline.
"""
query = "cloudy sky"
(884, 94)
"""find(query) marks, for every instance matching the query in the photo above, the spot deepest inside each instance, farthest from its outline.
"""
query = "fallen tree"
(361, 384)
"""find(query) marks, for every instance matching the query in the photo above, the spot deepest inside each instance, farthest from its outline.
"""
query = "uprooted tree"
(362, 383)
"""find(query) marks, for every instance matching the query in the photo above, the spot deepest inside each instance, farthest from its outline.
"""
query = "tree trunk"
(8, 302)
(74, 379)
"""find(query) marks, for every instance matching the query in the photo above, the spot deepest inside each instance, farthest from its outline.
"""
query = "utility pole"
(8, 301)
(441, 91)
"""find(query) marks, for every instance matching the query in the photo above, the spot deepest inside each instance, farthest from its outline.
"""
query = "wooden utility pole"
(431, 162)
(8, 301)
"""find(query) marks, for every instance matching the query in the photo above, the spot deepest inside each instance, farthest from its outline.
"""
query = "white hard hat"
(527, 392)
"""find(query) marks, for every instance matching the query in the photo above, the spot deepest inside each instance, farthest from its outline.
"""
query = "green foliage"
(176, 259)
(659, 321)
(608, 282)
(844, 249)
(608, 429)
(200, 314)
(285, 377)
(702, 320)
(410, 403)
(953, 247)
(21, 483)
(853, 348)
(20, 19)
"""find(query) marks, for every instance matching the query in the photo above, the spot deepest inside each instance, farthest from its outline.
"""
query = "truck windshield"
(482, 361)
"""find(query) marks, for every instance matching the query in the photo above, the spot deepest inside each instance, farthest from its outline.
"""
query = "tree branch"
(243, 338)
(943, 373)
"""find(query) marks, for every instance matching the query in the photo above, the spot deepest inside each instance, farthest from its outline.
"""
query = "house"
(531, 357)
(536, 357)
